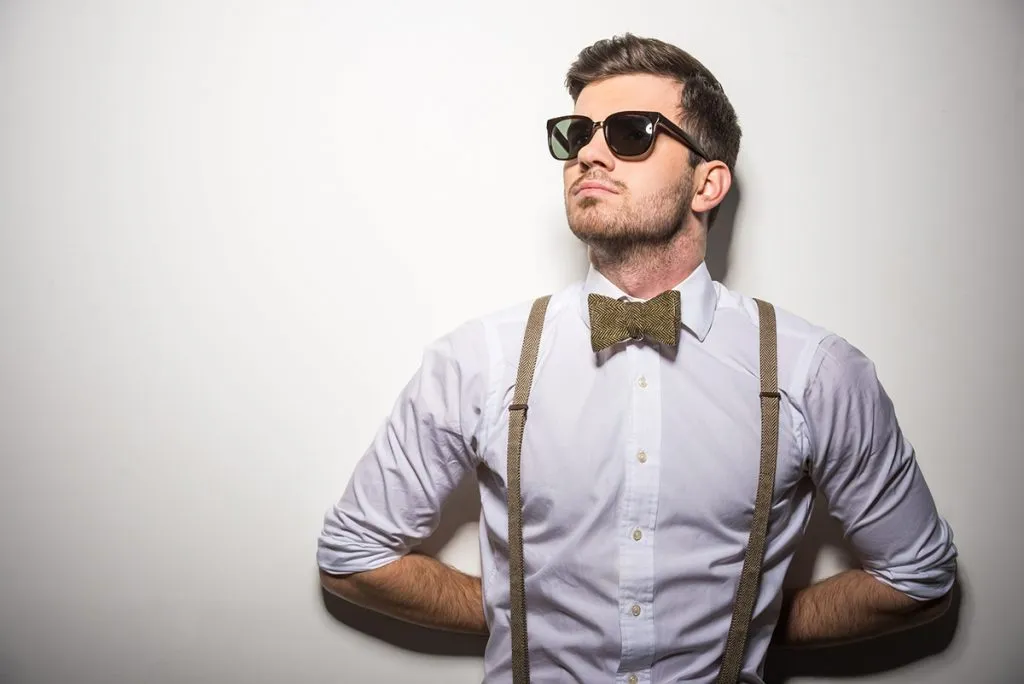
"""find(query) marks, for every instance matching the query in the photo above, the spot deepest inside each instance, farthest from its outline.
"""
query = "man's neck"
(647, 271)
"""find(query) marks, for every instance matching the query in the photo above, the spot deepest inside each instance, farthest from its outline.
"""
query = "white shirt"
(639, 471)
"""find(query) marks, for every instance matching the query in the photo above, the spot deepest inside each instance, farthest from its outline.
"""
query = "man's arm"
(417, 589)
(850, 606)
(868, 473)
(394, 497)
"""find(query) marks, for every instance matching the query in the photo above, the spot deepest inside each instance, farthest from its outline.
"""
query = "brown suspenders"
(746, 593)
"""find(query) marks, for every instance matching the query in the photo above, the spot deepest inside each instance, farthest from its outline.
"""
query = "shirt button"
(642, 456)
(638, 535)
(633, 679)
(636, 610)
(642, 382)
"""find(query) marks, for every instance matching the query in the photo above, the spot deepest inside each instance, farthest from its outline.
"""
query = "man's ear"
(714, 180)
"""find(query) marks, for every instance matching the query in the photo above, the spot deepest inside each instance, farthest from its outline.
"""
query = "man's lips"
(594, 187)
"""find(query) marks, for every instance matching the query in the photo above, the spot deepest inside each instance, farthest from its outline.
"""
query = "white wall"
(203, 205)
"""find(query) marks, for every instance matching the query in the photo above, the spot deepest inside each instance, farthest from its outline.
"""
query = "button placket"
(639, 513)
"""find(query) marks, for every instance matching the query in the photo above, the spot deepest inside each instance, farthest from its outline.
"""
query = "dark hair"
(706, 112)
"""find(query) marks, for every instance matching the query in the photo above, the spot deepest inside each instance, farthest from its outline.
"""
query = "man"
(639, 462)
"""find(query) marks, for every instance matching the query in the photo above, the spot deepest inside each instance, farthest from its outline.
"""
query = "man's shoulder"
(802, 344)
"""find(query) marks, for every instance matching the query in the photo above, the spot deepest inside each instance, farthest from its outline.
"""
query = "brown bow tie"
(612, 320)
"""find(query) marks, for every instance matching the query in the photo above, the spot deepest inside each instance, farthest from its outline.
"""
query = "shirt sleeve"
(866, 468)
(420, 453)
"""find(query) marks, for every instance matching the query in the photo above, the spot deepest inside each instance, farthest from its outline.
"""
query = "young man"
(640, 458)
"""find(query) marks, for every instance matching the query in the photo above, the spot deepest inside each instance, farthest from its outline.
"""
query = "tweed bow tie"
(612, 320)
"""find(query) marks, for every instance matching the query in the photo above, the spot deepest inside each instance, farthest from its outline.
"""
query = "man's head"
(652, 197)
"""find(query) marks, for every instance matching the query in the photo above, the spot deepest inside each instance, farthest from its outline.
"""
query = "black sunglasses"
(628, 134)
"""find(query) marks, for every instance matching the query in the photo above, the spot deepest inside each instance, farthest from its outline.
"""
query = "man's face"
(648, 198)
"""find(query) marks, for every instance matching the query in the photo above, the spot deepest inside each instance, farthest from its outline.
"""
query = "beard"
(635, 227)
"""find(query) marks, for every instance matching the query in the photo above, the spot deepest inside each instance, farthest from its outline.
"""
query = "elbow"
(339, 585)
(328, 578)
(924, 612)
(338, 567)
(927, 596)
(937, 605)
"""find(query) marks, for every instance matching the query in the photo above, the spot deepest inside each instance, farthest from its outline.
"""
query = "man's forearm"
(849, 606)
(417, 589)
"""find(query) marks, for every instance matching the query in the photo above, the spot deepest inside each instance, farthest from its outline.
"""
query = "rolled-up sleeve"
(867, 470)
(419, 454)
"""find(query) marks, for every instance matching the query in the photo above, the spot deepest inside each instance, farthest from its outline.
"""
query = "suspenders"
(750, 576)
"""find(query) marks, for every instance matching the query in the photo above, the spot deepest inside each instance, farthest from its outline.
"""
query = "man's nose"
(596, 152)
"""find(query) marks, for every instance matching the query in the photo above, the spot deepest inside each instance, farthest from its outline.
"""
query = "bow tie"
(612, 320)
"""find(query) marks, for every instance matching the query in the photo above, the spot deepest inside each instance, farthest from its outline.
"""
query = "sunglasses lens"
(569, 135)
(629, 135)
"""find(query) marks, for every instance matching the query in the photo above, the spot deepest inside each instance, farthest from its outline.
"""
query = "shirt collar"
(697, 295)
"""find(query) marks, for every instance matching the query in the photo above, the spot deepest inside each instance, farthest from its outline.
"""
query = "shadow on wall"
(720, 235)
(403, 634)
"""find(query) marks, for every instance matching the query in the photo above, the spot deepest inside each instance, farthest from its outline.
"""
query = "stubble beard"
(632, 231)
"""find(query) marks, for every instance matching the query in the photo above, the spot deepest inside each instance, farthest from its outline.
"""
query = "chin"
(588, 229)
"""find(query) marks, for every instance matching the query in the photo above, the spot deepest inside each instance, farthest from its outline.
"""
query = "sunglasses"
(628, 134)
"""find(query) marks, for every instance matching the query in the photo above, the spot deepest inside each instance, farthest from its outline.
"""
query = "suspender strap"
(516, 425)
(750, 576)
